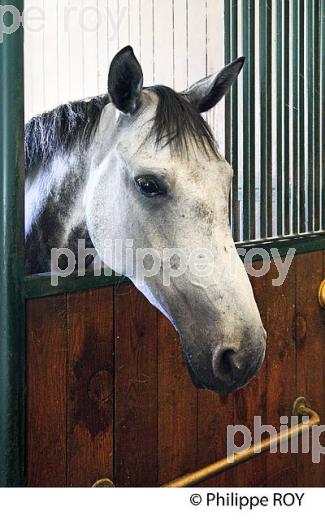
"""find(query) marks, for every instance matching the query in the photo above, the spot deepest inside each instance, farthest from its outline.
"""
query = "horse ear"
(207, 92)
(125, 80)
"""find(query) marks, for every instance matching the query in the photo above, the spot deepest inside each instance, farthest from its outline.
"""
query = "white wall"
(67, 53)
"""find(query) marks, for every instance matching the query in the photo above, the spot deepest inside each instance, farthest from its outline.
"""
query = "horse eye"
(149, 186)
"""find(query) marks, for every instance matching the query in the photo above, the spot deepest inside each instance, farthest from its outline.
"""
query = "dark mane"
(177, 123)
(61, 129)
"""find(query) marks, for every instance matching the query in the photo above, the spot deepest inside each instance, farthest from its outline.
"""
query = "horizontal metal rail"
(299, 409)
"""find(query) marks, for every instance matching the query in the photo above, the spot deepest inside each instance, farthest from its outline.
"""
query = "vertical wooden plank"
(91, 20)
(147, 41)
(281, 369)
(250, 402)
(197, 39)
(136, 385)
(102, 45)
(215, 61)
(177, 412)
(163, 42)
(310, 333)
(135, 29)
(47, 393)
(50, 56)
(124, 26)
(180, 44)
(63, 64)
(37, 67)
(215, 413)
(90, 386)
(114, 19)
(76, 49)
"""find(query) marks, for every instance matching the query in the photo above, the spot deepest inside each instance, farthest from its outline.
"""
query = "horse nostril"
(226, 364)
(226, 361)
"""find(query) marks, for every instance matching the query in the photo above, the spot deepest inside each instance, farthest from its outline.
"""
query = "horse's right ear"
(125, 81)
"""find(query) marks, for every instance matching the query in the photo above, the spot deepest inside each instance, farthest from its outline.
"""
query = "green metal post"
(231, 121)
(302, 121)
(295, 114)
(12, 330)
(311, 110)
(248, 35)
(286, 123)
(279, 113)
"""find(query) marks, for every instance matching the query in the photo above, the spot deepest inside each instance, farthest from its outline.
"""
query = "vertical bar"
(317, 140)
(248, 8)
(279, 115)
(265, 37)
(295, 113)
(227, 14)
(311, 110)
(12, 362)
(286, 127)
(228, 111)
(322, 140)
(302, 168)
(231, 123)
(269, 121)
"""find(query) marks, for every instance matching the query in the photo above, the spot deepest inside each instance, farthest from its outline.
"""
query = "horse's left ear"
(125, 81)
(207, 92)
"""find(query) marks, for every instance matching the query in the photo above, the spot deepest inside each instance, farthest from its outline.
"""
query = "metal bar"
(286, 128)
(295, 114)
(231, 110)
(269, 121)
(300, 409)
(234, 122)
(39, 285)
(279, 114)
(302, 153)
(248, 15)
(263, 114)
(311, 110)
(12, 352)
(228, 6)
(322, 93)
(317, 141)
(227, 43)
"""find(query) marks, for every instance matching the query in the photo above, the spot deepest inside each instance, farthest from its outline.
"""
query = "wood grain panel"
(46, 394)
(215, 412)
(177, 408)
(310, 342)
(281, 468)
(250, 402)
(91, 387)
(136, 389)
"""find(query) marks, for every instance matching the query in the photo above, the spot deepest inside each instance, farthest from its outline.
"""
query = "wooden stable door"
(109, 396)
